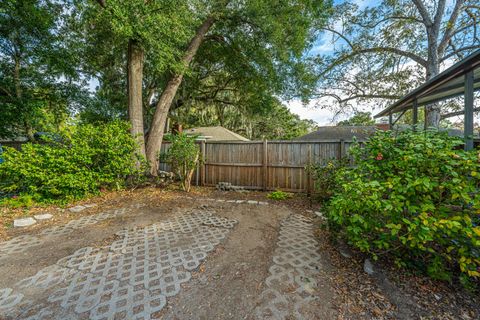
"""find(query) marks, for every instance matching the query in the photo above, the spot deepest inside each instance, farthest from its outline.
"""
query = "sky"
(321, 116)
(323, 45)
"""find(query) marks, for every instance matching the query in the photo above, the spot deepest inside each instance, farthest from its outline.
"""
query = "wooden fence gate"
(263, 165)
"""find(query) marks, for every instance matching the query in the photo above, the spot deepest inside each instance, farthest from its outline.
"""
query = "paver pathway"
(137, 273)
(291, 284)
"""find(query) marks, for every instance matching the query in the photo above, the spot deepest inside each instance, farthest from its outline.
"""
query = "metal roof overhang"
(446, 85)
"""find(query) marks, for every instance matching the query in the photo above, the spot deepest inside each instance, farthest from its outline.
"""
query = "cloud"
(323, 117)
(321, 46)
(362, 4)
(326, 43)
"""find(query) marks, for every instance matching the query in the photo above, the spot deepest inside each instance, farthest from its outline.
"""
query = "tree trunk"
(19, 95)
(135, 104)
(155, 136)
(432, 111)
(432, 114)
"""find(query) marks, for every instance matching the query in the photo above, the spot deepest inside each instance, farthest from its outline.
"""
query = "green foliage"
(161, 28)
(38, 75)
(252, 56)
(279, 195)
(325, 177)
(88, 158)
(381, 51)
(238, 78)
(360, 118)
(277, 122)
(22, 201)
(183, 156)
(273, 121)
(413, 197)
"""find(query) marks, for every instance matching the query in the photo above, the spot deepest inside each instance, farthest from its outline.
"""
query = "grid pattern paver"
(292, 274)
(25, 242)
(129, 279)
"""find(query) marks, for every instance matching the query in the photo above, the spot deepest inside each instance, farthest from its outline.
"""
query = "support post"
(342, 149)
(415, 114)
(309, 170)
(204, 166)
(390, 121)
(468, 119)
(265, 165)
(425, 111)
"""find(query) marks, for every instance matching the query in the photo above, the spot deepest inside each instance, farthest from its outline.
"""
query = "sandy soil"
(225, 286)
(228, 283)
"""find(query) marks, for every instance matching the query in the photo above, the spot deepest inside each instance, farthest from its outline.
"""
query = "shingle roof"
(339, 133)
(361, 133)
(217, 133)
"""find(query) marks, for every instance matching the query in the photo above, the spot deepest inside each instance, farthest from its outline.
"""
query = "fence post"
(309, 170)
(265, 165)
(341, 152)
(204, 166)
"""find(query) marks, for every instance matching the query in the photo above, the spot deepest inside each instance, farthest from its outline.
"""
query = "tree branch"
(423, 12)
(370, 96)
(396, 51)
(340, 35)
(437, 20)
(449, 32)
(102, 3)
(474, 18)
(457, 51)
(6, 92)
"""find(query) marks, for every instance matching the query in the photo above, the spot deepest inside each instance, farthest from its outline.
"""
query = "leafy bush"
(183, 156)
(86, 159)
(413, 197)
(278, 195)
(324, 177)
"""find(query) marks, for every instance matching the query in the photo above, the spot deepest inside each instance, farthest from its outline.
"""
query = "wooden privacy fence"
(263, 165)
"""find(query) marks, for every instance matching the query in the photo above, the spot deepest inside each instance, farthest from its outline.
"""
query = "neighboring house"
(215, 134)
(361, 133)
(336, 133)
(13, 143)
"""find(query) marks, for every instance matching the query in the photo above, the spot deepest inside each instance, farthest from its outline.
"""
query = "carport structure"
(463, 78)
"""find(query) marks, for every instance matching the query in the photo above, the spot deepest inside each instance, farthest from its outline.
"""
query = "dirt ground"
(231, 281)
(226, 285)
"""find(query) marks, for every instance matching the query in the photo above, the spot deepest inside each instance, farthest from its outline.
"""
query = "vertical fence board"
(265, 165)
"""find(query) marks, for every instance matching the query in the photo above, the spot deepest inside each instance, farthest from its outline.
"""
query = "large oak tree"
(382, 52)
(271, 36)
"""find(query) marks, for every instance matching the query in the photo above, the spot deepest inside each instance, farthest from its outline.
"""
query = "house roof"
(361, 133)
(448, 84)
(217, 133)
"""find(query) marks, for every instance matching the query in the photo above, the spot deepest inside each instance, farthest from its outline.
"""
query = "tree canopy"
(197, 62)
(39, 84)
(359, 118)
(382, 51)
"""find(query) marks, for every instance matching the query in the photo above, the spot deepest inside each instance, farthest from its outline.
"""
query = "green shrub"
(279, 195)
(80, 163)
(324, 177)
(413, 197)
(183, 156)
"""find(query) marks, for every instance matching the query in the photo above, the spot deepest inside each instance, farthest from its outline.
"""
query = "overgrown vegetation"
(324, 177)
(183, 156)
(83, 161)
(412, 197)
(279, 195)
